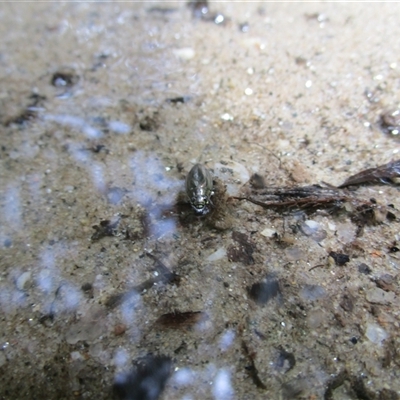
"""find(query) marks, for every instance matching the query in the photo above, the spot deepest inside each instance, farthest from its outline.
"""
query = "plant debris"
(243, 251)
(180, 320)
(311, 198)
(316, 197)
(383, 174)
(252, 369)
(119, 298)
(29, 112)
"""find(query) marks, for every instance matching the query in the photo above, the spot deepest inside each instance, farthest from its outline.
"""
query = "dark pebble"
(390, 121)
(340, 259)
(364, 269)
(64, 78)
(263, 292)
(146, 381)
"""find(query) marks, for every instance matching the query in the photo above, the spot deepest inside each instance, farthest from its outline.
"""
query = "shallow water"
(104, 108)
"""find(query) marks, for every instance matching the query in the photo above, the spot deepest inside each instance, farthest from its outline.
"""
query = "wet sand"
(105, 268)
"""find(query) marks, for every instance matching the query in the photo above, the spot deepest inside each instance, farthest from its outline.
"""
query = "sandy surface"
(104, 108)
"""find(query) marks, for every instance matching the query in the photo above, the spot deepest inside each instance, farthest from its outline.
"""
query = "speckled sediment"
(104, 108)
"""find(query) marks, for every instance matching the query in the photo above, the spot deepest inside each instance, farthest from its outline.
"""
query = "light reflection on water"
(154, 190)
(96, 171)
(77, 123)
(12, 207)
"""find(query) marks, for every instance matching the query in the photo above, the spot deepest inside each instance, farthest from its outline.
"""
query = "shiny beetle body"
(199, 188)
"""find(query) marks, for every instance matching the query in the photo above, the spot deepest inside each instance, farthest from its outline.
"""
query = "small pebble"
(119, 127)
(119, 329)
(22, 280)
(390, 121)
(262, 292)
(314, 230)
(312, 292)
(185, 53)
(244, 27)
(269, 233)
(227, 117)
(379, 296)
(339, 258)
(217, 255)
(375, 333)
(295, 253)
(364, 269)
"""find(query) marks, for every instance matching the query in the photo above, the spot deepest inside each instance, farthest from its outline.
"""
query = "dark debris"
(382, 174)
(20, 119)
(149, 123)
(356, 385)
(64, 78)
(200, 9)
(257, 181)
(315, 198)
(340, 259)
(242, 251)
(244, 27)
(104, 229)
(252, 369)
(286, 360)
(180, 320)
(97, 149)
(386, 282)
(307, 197)
(29, 113)
(266, 290)
(390, 121)
(119, 298)
(165, 275)
(391, 353)
(146, 381)
(388, 394)
(178, 99)
(347, 302)
(364, 269)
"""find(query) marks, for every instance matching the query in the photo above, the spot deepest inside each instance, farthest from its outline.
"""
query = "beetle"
(199, 188)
